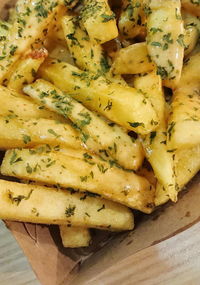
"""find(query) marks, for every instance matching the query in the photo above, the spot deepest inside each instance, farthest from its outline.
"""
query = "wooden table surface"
(14, 268)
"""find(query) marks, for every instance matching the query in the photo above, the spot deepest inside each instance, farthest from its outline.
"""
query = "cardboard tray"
(164, 248)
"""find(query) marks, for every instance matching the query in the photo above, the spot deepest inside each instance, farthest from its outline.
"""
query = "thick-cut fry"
(151, 85)
(17, 133)
(155, 143)
(192, 33)
(55, 31)
(39, 204)
(32, 19)
(26, 69)
(161, 196)
(87, 54)
(184, 122)
(112, 139)
(88, 172)
(161, 160)
(187, 164)
(132, 19)
(124, 105)
(133, 59)
(75, 236)
(191, 6)
(99, 20)
(14, 105)
(165, 39)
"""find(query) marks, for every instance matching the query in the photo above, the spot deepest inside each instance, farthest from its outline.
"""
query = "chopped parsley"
(136, 124)
(107, 18)
(102, 208)
(52, 132)
(19, 198)
(70, 211)
(14, 158)
(26, 139)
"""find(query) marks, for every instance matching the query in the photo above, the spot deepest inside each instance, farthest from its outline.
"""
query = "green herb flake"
(29, 169)
(102, 208)
(136, 124)
(13, 50)
(19, 198)
(52, 132)
(152, 136)
(70, 211)
(107, 18)
(26, 139)
(14, 158)
(156, 44)
(180, 40)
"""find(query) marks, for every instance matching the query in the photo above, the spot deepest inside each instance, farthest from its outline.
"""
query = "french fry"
(87, 54)
(191, 6)
(155, 143)
(192, 32)
(184, 122)
(161, 196)
(99, 20)
(123, 105)
(165, 39)
(133, 59)
(112, 139)
(151, 85)
(88, 172)
(25, 71)
(187, 164)
(161, 160)
(19, 133)
(14, 105)
(39, 204)
(55, 32)
(132, 19)
(75, 236)
(35, 15)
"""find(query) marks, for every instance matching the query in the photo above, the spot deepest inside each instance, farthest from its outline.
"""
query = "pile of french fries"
(100, 111)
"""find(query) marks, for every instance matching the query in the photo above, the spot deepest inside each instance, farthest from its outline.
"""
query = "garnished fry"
(30, 25)
(17, 133)
(16, 105)
(106, 137)
(133, 59)
(26, 70)
(128, 106)
(80, 170)
(39, 204)
(99, 20)
(184, 122)
(165, 39)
